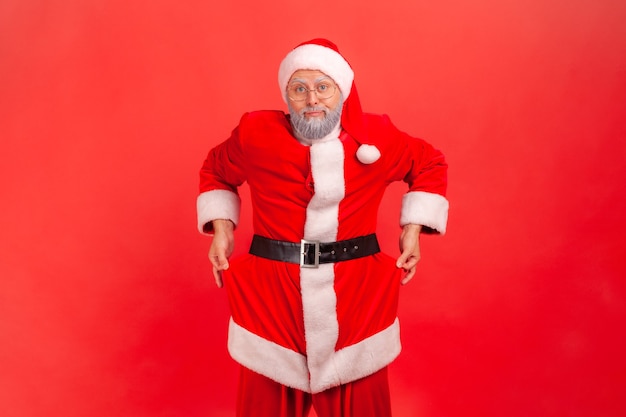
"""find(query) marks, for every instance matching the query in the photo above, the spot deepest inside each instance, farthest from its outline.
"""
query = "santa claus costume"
(316, 327)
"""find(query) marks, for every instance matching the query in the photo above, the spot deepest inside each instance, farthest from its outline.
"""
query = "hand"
(221, 248)
(410, 250)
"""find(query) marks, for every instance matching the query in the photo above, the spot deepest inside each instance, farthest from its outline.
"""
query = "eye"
(323, 87)
(298, 89)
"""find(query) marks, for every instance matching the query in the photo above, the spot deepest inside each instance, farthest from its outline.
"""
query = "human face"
(311, 107)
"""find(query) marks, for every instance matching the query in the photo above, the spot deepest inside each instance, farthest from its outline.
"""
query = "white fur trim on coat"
(316, 57)
(426, 209)
(319, 300)
(289, 368)
(371, 355)
(217, 204)
(268, 358)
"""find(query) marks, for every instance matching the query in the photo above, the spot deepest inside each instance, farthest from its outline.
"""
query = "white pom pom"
(368, 154)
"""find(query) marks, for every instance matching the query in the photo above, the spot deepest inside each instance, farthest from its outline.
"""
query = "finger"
(218, 278)
(222, 264)
(409, 276)
(407, 261)
(219, 261)
(214, 259)
(411, 263)
(402, 259)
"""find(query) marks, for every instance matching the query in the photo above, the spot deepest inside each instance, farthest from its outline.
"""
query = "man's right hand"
(221, 247)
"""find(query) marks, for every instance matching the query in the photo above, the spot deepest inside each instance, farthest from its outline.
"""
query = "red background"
(107, 306)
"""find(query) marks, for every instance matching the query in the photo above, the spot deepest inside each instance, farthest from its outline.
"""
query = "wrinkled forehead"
(307, 76)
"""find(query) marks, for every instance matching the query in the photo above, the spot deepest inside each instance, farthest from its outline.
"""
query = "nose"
(311, 98)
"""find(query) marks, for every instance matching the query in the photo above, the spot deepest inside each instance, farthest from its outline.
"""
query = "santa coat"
(315, 328)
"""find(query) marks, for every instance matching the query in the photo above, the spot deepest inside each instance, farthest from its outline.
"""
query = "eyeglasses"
(299, 92)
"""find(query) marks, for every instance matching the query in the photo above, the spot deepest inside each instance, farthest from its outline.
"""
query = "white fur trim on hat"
(368, 154)
(316, 57)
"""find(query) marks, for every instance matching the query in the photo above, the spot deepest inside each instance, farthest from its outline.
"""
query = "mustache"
(313, 108)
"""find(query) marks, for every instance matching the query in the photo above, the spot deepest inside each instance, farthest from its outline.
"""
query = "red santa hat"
(323, 55)
(317, 54)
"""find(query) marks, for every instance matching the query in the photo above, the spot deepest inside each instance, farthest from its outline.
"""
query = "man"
(314, 303)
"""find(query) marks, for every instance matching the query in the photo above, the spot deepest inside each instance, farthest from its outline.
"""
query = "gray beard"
(315, 128)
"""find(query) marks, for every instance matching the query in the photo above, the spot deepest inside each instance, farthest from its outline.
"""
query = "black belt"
(311, 253)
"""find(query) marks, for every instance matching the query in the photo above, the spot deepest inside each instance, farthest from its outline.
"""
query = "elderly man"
(314, 303)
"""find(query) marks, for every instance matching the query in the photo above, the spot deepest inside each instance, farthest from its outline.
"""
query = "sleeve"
(222, 172)
(424, 169)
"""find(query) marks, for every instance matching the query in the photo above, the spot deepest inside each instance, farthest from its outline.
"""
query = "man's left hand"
(410, 250)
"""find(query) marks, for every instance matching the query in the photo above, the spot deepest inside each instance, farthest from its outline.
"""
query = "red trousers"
(259, 396)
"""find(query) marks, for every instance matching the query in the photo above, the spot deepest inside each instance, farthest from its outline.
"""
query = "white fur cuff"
(427, 209)
(217, 204)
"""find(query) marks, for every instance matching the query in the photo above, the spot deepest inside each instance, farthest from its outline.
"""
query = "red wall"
(107, 108)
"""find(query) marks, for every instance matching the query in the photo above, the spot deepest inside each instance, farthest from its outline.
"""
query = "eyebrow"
(317, 80)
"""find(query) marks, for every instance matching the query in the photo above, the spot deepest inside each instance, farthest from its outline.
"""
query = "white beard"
(314, 128)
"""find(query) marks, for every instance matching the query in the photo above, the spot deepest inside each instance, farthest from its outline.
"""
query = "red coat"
(313, 329)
